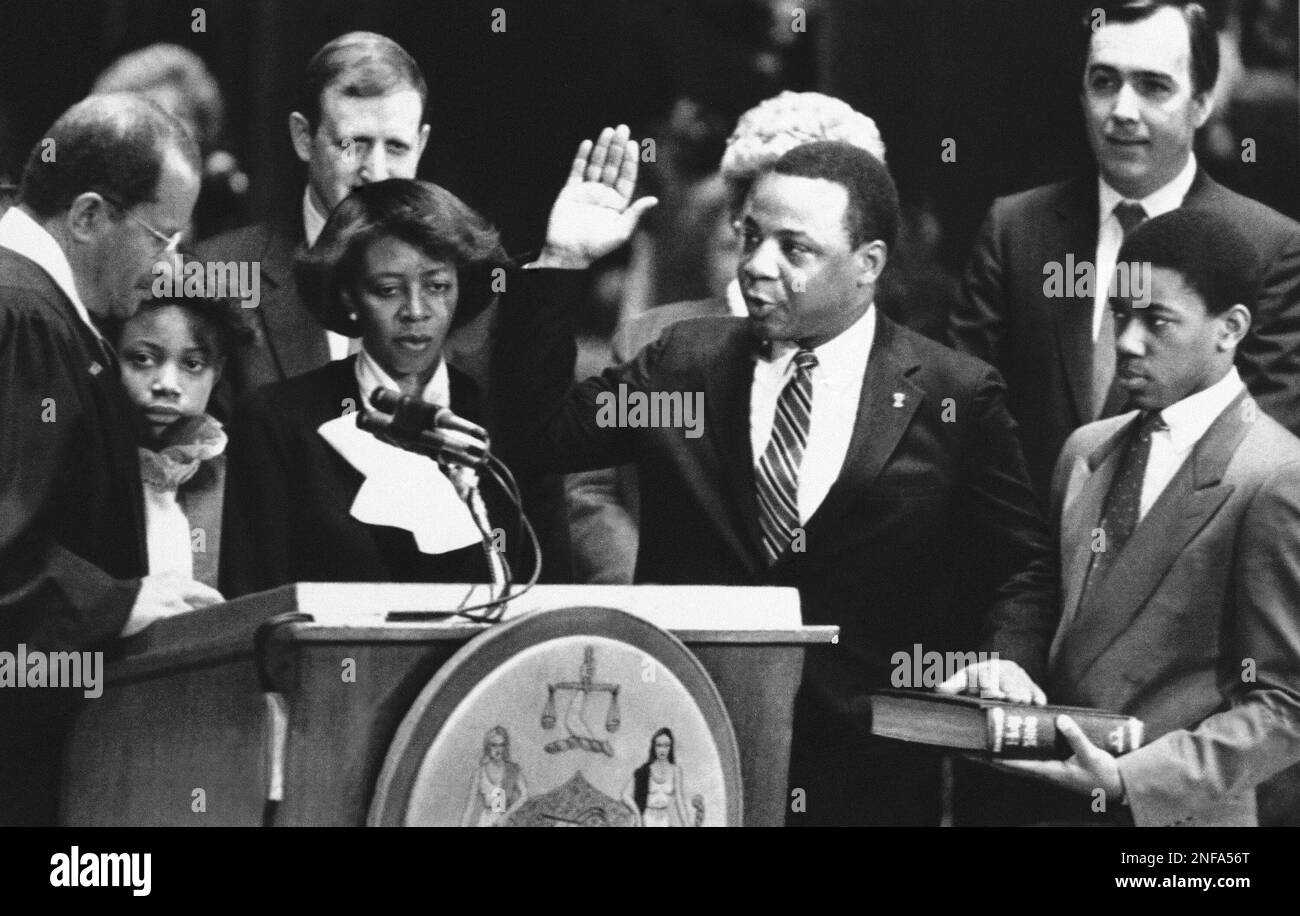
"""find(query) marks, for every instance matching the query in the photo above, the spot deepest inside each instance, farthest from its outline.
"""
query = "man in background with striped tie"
(871, 469)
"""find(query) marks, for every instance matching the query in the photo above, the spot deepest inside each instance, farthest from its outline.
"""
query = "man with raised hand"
(839, 454)
(604, 504)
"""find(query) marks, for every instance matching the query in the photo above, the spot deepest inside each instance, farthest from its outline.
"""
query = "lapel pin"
(95, 368)
(899, 397)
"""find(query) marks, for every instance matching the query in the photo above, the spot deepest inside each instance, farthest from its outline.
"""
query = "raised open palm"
(594, 213)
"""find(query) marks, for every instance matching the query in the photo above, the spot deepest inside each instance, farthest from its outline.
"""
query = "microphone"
(455, 443)
(412, 415)
(425, 428)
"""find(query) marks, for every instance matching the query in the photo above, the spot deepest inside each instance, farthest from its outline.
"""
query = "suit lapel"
(465, 398)
(1190, 500)
(339, 379)
(882, 419)
(1081, 514)
(728, 384)
(1076, 233)
(879, 427)
(1204, 192)
(296, 340)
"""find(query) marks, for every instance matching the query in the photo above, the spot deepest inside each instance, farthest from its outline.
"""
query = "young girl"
(172, 352)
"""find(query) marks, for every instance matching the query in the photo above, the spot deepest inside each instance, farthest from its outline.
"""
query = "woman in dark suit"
(310, 496)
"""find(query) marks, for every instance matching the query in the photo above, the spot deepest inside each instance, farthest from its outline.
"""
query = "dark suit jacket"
(1043, 347)
(289, 494)
(916, 499)
(72, 542)
(287, 338)
(604, 504)
(1208, 582)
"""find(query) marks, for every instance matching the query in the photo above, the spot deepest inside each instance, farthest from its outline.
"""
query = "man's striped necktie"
(778, 470)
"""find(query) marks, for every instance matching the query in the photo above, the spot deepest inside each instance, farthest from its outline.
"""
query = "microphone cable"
(493, 610)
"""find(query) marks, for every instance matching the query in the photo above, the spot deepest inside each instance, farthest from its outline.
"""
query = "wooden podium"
(244, 714)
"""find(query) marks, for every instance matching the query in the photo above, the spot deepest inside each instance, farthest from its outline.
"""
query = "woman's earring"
(352, 316)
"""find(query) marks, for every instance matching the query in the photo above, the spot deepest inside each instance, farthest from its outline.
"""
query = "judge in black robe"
(72, 547)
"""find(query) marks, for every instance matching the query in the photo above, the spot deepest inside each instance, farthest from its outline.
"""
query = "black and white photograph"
(651, 413)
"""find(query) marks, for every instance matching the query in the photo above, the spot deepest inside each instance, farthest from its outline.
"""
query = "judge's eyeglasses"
(170, 242)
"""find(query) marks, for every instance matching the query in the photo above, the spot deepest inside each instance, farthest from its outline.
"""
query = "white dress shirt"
(370, 375)
(1188, 421)
(313, 223)
(313, 220)
(23, 235)
(836, 390)
(167, 534)
(163, 474)
(1110, 235)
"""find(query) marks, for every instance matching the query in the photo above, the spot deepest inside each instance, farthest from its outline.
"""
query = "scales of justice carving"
(581, 693)
(576, 802)
(556, 720)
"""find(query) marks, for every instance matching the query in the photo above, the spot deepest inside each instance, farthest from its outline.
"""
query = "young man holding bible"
(1179, 530)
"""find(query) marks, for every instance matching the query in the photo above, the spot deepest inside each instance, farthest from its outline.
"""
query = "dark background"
(997, 76)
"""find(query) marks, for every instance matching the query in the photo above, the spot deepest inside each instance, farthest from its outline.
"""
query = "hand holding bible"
(1089, 769)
